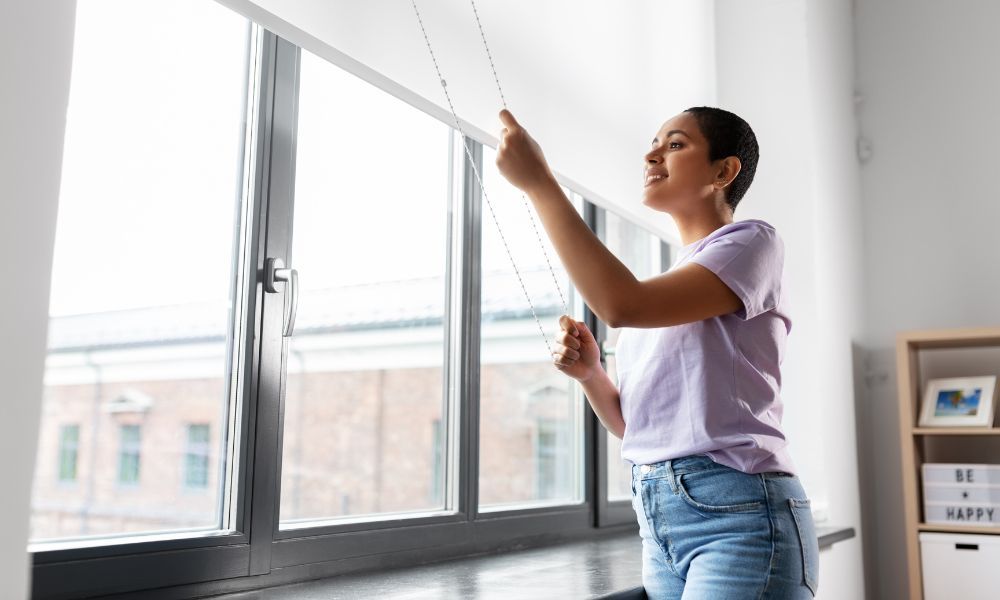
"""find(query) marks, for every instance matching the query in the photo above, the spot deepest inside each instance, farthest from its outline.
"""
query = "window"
(643, 254)
(519, 387)
(144, 297)
(370, 240)
(130, 446)
(69, 445)
(437, 462)
(196, 457)
(399, 401)
(551, 447)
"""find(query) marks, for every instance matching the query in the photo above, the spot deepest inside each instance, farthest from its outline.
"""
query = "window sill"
(607, 567)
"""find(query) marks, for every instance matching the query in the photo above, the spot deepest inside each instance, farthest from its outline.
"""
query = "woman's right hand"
(576, 352)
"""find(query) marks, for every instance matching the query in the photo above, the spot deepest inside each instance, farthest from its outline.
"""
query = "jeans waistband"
(676, 466)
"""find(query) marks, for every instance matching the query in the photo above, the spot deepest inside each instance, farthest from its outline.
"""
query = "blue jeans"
(711, 532)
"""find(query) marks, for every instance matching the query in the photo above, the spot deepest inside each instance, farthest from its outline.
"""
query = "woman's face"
(678, 173)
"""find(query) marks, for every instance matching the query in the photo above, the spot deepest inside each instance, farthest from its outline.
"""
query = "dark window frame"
(256, 552)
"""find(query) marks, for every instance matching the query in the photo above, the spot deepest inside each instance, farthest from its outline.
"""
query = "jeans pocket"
(721, 491)
(802, 513)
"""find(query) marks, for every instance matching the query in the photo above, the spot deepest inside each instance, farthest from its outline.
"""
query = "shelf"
(917, 360)
(956, 431)
(951, 338)
(959, 528)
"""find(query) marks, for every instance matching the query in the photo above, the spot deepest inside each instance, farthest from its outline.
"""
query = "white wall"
(787, 67)
(37, 51)
(931, 210)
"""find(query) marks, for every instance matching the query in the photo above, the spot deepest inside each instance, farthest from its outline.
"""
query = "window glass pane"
(128, 454)
(531, 415)
(365, 391)
(640, 251)
(197, 456)
(142, 295)
(69, 439)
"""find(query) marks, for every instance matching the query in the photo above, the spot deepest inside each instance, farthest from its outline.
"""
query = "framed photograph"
(959, 402)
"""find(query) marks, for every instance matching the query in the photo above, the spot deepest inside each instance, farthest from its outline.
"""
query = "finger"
(508, 119)
(585, 334)
(569, 353)
(568, 340)
(568, 324)
(561, 361)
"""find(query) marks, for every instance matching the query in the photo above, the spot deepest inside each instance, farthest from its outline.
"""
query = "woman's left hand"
(520, 158)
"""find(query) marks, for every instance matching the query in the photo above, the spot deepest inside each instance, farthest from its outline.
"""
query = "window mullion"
(594, 457)
(276, 183)
(470, 281)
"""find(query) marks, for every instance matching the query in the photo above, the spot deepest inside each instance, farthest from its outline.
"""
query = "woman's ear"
(729, 168)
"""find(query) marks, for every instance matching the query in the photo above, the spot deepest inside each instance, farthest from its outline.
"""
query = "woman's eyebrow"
(670, 133)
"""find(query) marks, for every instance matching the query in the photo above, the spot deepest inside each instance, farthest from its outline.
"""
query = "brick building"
(137, 409)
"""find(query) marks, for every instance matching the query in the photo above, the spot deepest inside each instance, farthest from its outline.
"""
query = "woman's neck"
(695, 226)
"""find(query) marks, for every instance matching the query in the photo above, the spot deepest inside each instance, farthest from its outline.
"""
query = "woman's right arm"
(604, 399)
(577, 355)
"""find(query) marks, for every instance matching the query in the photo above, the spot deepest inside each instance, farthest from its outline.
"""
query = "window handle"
(275, 271)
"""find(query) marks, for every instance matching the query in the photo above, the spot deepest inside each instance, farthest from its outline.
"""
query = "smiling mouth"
(654, 179)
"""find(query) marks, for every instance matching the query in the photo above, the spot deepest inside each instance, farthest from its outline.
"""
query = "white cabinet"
(960, 566)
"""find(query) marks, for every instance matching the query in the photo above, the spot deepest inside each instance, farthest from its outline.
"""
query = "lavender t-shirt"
(713, 387)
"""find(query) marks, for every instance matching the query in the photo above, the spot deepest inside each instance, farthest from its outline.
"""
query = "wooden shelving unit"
(958, 528)
(919, 442)
(956, 431)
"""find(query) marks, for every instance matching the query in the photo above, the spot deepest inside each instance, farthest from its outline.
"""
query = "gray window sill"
(608, 567)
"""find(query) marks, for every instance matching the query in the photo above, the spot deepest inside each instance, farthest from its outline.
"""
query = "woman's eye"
(675, 144)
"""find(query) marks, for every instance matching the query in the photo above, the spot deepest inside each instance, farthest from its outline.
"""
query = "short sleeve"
(749, 260)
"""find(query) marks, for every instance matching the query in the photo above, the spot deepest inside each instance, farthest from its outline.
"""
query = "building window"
(69, 445)
(550, 454)
(196, 457)
(128, 454)
(437, 462)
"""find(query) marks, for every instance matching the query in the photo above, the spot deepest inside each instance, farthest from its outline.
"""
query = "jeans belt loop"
(669, 466)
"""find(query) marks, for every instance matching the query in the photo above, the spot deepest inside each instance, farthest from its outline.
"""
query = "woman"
(721, 512)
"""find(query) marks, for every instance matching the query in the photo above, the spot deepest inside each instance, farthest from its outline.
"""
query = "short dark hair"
(729, 135)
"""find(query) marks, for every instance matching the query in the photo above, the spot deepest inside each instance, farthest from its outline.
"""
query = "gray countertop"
(606, 567)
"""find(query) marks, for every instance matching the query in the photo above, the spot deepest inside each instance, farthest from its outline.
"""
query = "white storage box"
(962, 513)
(959, 492)
(960, 566)
(961, 473)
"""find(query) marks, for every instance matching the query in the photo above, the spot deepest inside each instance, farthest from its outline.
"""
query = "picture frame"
(959, 402)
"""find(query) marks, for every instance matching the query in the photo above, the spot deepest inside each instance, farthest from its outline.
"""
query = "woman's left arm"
(690, 293)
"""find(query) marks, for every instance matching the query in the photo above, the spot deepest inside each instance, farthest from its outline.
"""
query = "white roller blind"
(591, 80)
